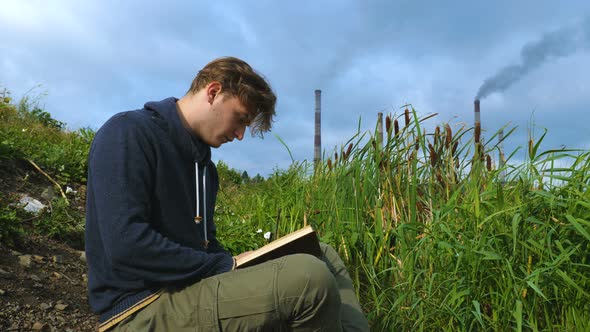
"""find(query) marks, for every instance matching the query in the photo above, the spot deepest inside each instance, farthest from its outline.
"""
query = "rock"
(48, 193)
(2, 292)
(58, 259)
(25, 260)
(61, 307)
(34, 277)
(38, 259)
(5, 274)
(85, 277)
(83, 256)
(40, 327)
(56, 275)
(45, 306)
(15, 253)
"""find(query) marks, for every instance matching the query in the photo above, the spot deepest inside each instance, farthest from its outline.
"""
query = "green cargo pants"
(292, 293)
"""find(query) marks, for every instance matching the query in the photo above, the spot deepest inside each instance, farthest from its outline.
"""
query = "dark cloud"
(98, 58)
(558, 43)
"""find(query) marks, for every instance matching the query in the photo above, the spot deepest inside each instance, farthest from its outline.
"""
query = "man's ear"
(213, 89)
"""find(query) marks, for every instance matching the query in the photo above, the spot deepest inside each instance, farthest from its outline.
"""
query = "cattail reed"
(347, 153)
(335, 157)
(489, 163)
(478, 151)
(407, 117)
(455, 146)
(433, 156)
(531, 144)
(388, 124)
(436, 135)
(440, 178)
(329, 164)
(395, 127)
(477, 132)
(449, 136)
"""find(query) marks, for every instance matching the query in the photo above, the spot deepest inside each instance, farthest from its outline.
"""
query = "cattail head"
(436, 135)
(449, 136)
(387, 124)
(395, 127)
(329, 164)
(477, 132)
(489, 163)
(455, 146)
(407, 116)
(481, 152)
(478, 150)
(440, 178)
(433, 155)
(531, 144)
(335, 157)
(347, 153)
(417, 144)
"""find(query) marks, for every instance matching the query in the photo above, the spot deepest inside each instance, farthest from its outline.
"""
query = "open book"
(303, 241)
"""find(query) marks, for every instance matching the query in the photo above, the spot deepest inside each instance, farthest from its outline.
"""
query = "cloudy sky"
(528, 60)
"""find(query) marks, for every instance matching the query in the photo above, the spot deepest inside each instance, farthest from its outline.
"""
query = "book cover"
(302, 241)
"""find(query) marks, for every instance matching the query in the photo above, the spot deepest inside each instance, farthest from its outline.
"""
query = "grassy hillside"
(39, 157)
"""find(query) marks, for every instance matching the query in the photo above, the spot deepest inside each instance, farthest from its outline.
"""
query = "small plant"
(60, 222)
(11, 229)
(45, 118)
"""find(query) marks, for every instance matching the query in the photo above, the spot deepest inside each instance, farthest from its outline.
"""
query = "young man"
(154, 260)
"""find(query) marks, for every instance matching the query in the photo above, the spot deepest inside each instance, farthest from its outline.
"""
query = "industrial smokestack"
(477, 126)
(318, 128)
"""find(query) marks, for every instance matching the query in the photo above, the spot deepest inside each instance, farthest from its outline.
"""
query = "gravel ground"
(43, 288)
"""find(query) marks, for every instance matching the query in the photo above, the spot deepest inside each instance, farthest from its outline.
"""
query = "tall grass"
(28, 132)
(433, 237)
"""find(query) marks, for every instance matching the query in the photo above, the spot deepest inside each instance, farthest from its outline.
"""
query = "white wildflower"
(267, 235)
(259, 230)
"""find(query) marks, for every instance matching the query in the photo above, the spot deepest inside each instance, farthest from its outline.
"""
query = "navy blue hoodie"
(141, 209)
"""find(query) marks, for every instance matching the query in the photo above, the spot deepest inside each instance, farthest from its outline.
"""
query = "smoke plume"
(559, 43)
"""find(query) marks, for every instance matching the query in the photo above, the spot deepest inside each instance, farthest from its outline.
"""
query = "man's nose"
(240, 133)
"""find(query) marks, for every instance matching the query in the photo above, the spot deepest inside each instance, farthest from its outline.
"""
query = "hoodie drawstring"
(198, 217)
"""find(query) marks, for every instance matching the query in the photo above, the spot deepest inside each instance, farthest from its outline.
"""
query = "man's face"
(227, 120)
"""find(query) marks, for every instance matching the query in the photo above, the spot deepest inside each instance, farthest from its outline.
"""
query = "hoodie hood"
(188, 143)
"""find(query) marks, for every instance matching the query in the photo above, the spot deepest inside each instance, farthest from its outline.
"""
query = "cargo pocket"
(246, 299)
